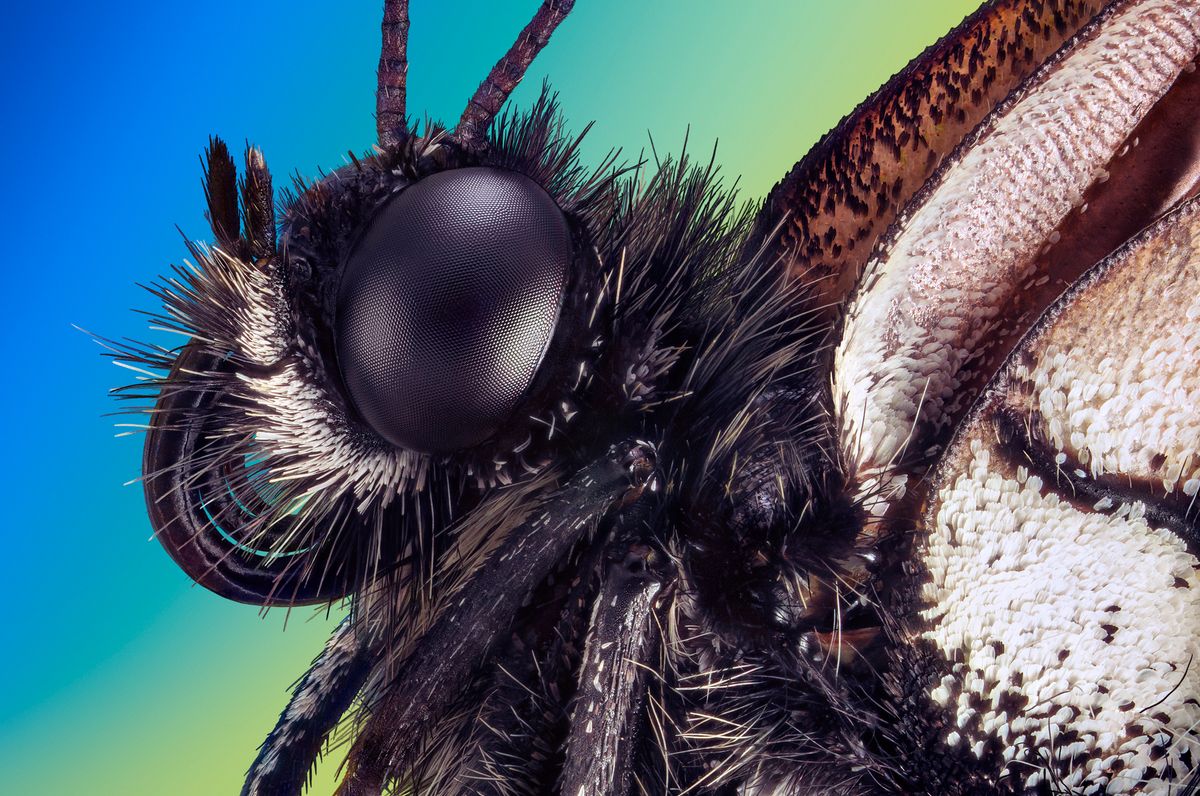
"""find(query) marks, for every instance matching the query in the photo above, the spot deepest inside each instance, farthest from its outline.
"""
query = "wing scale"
(1058, 546)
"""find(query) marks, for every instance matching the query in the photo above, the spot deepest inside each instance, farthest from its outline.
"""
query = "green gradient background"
(116, 676)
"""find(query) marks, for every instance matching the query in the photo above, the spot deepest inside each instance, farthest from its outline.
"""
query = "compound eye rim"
(447, 305)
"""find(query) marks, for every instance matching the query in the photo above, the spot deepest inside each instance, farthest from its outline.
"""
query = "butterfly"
(885, 484)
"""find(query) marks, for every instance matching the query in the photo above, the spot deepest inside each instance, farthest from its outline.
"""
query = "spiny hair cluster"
(290, 466)
(676, 327)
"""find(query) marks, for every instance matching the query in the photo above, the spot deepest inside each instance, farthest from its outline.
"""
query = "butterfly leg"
(321, 697)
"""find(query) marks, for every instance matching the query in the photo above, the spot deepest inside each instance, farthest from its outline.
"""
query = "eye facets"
(447, 304)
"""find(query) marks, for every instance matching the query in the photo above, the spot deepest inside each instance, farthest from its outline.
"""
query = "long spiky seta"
(750, 328)
(536, 143)
(467, 631)
(252, 345)
(667, 239)
(276, 511)
(507, 73)
(675, 235)
(390, 99)
(522, 721)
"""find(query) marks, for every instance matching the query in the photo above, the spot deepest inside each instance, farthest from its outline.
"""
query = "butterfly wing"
(1057, 551)
(934, 226)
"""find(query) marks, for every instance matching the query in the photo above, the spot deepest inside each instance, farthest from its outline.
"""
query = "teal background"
(117, 676)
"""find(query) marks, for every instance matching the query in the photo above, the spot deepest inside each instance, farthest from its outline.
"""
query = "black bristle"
(679, 334)
(220, 193)
(258, 205)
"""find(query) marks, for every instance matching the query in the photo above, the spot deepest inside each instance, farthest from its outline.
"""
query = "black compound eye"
(447, 304)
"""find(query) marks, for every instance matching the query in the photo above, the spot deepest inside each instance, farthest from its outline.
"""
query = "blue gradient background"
(118, 676)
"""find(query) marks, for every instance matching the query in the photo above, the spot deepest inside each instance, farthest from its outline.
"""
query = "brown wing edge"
(823, 218)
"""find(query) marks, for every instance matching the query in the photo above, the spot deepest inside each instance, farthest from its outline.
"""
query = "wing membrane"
(1060, 581)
